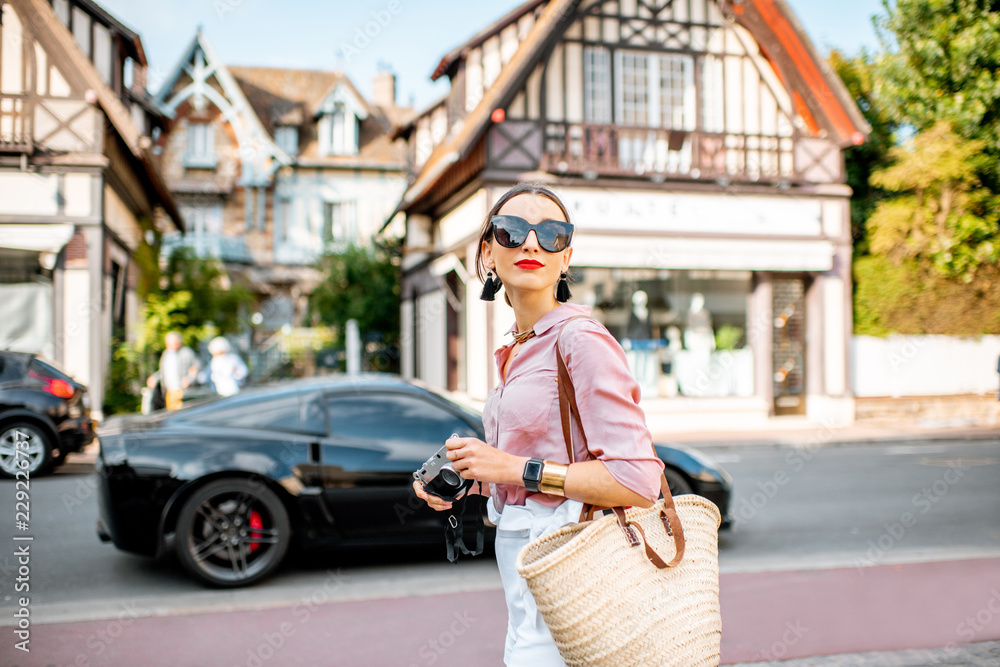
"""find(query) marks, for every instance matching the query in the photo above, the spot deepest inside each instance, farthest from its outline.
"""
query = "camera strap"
(454, 532)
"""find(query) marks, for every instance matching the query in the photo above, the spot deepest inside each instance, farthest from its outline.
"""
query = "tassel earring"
(490, 287)
(562, 289)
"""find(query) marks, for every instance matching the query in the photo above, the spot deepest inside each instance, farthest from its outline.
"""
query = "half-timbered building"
(272, 166)
(698, 145)
(79, 193)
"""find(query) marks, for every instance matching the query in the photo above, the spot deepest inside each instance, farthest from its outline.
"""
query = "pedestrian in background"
(534, 489)
(179, 366)
(226, 370)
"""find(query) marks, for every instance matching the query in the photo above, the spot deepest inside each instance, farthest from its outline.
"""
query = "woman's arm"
(586, 481)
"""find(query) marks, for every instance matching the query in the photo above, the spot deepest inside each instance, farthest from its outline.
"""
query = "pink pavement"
(766, 616)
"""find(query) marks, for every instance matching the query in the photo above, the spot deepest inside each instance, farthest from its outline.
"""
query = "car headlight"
(709, 467)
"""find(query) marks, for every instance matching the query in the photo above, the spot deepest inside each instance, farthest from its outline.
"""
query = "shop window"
(684, 332)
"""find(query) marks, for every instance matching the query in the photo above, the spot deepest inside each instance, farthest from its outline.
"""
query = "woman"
(226, 370)
(525, 242)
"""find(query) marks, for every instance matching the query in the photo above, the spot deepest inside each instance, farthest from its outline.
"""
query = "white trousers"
(529, 643)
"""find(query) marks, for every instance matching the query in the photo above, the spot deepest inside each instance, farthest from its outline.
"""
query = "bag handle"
(568, 409)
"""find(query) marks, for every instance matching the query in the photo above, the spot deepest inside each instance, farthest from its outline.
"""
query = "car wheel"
(232, 532)
(678, 485)
(24, 440)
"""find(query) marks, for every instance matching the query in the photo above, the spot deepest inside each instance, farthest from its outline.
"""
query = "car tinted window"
(388, 416)
(48, 371)
(269, 413)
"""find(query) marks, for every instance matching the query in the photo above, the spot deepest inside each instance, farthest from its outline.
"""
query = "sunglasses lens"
(505, 236)
(552, 236)
(511, 231)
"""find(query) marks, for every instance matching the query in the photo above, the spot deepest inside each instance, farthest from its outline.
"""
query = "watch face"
(533, 474)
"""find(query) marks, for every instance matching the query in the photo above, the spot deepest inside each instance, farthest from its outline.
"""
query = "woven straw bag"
(639, 587)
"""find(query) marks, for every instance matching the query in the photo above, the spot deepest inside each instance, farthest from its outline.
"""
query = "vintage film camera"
(439, 478)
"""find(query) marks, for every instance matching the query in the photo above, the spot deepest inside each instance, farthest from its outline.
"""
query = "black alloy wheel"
(20, 441)
(678, 485)
(232, 532)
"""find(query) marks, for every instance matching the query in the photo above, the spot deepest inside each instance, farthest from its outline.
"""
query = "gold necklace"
(521, 337)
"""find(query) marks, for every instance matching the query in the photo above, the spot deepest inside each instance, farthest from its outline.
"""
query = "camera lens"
(450, 477)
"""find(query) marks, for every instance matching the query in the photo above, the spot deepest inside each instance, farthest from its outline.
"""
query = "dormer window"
(339, 121)
(342, 135)
(287, 138)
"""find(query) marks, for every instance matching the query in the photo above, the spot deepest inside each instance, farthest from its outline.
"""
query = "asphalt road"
(848, 507)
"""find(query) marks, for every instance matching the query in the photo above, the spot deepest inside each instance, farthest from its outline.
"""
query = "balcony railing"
(610, 150)
(219, 246)
(15, 124)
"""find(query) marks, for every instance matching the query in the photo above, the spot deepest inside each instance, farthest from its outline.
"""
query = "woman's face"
(527, 267)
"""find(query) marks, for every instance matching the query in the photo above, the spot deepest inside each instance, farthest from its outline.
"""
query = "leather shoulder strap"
(568, 409)
(567, 395)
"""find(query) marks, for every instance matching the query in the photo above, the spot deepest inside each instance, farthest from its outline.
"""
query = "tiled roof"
(290, 96)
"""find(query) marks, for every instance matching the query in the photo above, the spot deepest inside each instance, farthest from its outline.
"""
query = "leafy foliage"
(942, 214)
(909, 298)
(359, 283)
(942, 63)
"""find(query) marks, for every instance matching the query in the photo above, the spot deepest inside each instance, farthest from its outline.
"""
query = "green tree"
(359, 283)
(942, 213)
(214, 299)
(942, 63)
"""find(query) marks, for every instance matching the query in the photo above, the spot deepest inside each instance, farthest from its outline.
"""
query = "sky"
(408, 36)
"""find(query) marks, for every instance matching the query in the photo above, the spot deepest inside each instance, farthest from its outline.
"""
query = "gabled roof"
(459, 52)
(771, 22)
(280, 96)
(293, 97)
(547, 28)
(56, 38)
(232, 98)
(346, 83)
(785, 43)
(129, 37)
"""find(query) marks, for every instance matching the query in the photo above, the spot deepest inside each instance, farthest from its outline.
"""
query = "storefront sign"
(695, 213)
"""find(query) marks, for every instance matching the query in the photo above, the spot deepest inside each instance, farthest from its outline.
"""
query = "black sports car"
(44, 415)
(326, 461)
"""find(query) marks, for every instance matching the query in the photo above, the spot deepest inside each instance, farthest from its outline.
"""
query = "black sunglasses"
(511, 231)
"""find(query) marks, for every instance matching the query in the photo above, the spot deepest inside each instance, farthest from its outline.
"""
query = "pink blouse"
(521, 415)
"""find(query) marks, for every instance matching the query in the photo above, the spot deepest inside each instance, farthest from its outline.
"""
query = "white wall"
(924, 365)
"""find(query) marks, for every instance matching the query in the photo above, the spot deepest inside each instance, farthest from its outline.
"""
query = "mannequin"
(639, 327)
(698, 335)
(640, 347)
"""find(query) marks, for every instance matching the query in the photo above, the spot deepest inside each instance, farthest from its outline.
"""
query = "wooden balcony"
(657, 154)
(15, 124)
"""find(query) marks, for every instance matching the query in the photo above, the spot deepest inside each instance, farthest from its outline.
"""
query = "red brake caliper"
(255, 522)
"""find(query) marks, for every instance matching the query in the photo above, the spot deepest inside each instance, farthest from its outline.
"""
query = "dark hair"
(487, 229)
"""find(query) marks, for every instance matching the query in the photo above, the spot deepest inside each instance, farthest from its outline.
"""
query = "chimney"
(385, 88)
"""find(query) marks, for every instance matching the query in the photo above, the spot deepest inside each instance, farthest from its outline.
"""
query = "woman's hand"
(474, 459)
(436, 503)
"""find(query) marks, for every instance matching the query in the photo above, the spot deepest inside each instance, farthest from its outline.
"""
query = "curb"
(785, 442)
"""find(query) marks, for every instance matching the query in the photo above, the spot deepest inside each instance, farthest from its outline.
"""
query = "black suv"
(43, 412)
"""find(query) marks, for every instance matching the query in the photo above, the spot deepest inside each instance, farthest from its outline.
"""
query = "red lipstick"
(528, 264)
